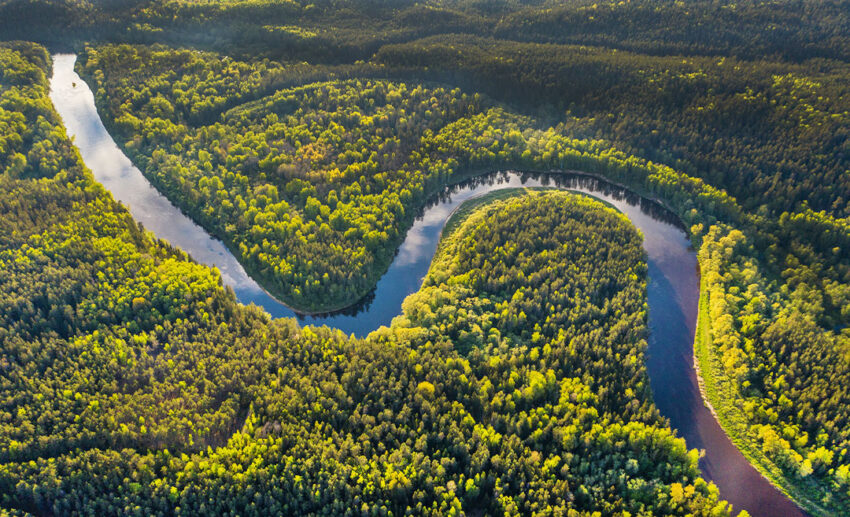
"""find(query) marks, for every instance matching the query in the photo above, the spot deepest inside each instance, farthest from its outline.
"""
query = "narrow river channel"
(673, 287)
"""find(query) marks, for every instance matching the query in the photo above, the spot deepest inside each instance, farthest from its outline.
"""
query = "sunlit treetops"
(132, 382)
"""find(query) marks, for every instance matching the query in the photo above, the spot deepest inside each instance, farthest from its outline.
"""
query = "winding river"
(673, 287)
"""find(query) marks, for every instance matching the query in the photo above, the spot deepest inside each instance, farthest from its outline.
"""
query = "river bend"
(672, 289)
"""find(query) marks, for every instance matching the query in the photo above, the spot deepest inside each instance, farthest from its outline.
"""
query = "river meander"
(673, 287)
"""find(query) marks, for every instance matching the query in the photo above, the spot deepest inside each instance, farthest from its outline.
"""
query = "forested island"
(308, 138)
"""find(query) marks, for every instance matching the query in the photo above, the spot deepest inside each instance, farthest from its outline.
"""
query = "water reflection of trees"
(362, 305)
(567, 180)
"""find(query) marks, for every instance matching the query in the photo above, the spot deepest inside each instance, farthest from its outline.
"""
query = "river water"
(672, 291)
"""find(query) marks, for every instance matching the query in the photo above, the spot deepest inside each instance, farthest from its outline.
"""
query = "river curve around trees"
(672, 287)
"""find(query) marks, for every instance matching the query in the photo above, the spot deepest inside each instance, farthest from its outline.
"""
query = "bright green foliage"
(744, 103)
(558, 294)
(131, 382)
(775, 357)
(311, 186)
(95, 315)
(30, 143)
(792, 262)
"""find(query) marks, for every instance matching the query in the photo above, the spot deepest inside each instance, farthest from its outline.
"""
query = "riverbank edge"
(709, 390)
(382, 262)
(720, 397)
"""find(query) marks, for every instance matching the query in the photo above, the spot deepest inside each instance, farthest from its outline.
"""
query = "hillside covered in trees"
(133, 383)
(308, 137)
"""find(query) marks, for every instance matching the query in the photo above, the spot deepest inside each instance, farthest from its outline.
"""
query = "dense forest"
(133, 383)
(341, 31)
(776, 260)
(330, 172)
(770, 133)
(308, 137)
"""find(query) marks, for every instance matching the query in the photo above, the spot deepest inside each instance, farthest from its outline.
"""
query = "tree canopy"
(132, 382)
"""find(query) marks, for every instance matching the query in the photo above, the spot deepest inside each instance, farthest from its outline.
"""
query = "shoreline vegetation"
(180, 395)
(494, 136)
(700, 350)
(719, 398)
(384, 258)
(304, 136)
